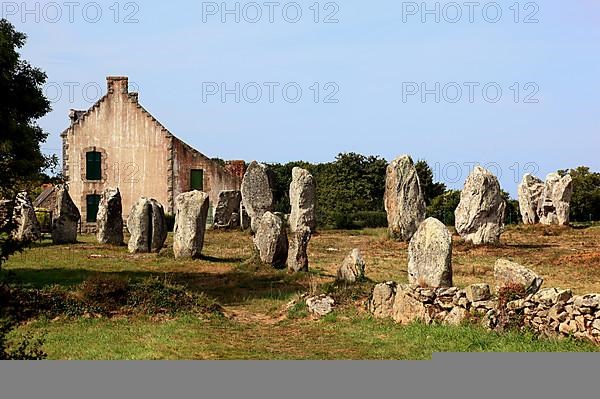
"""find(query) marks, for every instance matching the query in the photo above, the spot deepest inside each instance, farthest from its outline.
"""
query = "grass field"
(256, 323)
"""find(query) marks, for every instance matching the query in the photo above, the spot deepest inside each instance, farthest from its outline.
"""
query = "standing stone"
(480, 213)
(531, 190)
(381, 303)
(27, 225)
(110, 218)
(227, 211)
(271, 240)
(430, 255)
(353, 267)
(404, 202)
(147, 226)
(507, 274)
(297, 260)
(65, 218)
(257, 192)
(555, 204)
(303, 192)
(191, 210)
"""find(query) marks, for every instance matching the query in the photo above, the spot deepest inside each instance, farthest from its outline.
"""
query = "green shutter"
(197, 179)
(92, 207)
(93, 165)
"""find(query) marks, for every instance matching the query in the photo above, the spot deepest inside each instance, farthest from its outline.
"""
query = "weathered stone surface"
(65, 218)
(480, 213)
(478, 292)
(297, 260)
(381, 304)
(26, 223)
(403, 199)
(147, 226)
(303, 198)
(555, 204)
(430, 255)
(456, 316)
(550, 296)
(353, 267)
(271, 240)
(320, 305)
(257, 192)
(227, 211)
(110, 218)
(507, 273)
(407, 309)
(191, 210)
(530, 190)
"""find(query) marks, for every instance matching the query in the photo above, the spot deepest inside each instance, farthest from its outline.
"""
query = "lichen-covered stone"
(271, 240)
(530, 191)
(65, 218)
(109, 219)
(257, 192)
(479, 216)
(403, 199)
(430, 255)
(191, 211)
(297, 260)
(555, 203)
(352, 268)
(26, 223)
(381, 303)
(147, 226)
(303, 198)
(507, 273)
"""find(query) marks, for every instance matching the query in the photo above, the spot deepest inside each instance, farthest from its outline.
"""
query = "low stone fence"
(549, 312)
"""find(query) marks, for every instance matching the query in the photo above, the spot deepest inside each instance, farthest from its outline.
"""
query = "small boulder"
(297, 260)
(507, 273)
(456, 316)
(303, 198)
(147, 226)
(480, 213)
(109, 220)
(65, 218)
(551, 296)
(408, 309)
(403, 199)
(271, 240)
(320, 305)
(353, 267)
(191, 210)
(430, 256)
(381, 303)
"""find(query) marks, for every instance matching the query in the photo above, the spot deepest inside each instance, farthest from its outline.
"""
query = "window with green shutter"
(92, 202)
(93, 165)
(197, 179)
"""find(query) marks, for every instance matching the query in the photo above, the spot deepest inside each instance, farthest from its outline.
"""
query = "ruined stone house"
(117, 143)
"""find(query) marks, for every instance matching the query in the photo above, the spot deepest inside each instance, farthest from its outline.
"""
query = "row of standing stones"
(430, 295)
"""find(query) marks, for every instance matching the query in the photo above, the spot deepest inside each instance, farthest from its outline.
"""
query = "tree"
(443, 206)
(585, 204)
(21, 104)
(429, 188)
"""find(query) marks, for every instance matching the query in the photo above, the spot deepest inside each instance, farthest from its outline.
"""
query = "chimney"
(117, 84)
(75, 114)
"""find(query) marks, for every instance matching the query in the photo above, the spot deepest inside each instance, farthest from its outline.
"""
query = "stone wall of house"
(139, 155)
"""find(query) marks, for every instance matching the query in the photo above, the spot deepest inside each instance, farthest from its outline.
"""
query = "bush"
(105, 291)
(370, 219)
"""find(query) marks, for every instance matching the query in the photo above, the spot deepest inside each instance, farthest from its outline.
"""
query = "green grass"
(257, 324)
(335, 337)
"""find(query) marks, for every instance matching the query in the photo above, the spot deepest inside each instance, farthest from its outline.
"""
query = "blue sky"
(368, 61)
